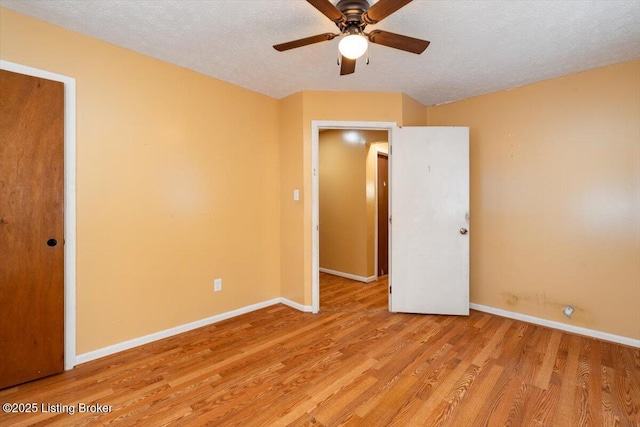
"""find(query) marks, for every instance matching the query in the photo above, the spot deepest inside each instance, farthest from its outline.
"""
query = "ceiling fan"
(351, 17)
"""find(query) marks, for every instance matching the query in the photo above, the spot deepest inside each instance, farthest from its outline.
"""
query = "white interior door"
(429, 270)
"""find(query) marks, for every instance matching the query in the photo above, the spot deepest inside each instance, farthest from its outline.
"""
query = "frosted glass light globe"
(353, 46)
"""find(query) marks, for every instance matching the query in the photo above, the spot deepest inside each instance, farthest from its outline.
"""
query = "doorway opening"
(366, 266)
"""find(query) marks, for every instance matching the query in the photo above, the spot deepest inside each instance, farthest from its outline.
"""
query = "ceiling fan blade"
(347, 66)
(382, 9)
(304, 42)
(398, 41)
(329, 10)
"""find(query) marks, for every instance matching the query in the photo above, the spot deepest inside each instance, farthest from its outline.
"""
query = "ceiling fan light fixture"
(353, 46)
(352, 17)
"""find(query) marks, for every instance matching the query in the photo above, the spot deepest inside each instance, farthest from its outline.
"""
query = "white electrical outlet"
(217, 285)
(568, 311)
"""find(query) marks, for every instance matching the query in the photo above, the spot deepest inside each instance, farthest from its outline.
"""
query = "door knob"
(52, 242)
(463, 231)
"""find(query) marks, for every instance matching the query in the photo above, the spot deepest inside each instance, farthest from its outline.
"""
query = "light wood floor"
(354, 364)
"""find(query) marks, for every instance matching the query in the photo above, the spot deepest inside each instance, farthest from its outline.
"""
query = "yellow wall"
(330, 106)
(318, 105)
(346, 221)
(413, 112)
(292, 240)
(555, 197)
(177, 184)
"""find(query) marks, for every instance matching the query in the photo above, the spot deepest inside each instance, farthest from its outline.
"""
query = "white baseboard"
(558, 325)
(297, 306)
(126, 345)
(348, 275)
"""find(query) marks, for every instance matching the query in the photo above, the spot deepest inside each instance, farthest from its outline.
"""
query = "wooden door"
(31, 228)
(430, 212)
(383, 214)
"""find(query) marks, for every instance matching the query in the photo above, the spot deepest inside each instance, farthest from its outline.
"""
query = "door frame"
(69, 201)
(316, 126)
(376, 253)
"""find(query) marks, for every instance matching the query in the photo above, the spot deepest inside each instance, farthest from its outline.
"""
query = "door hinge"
(390, 290)
(389, 219)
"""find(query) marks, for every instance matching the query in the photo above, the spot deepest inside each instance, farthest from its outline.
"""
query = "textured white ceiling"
(476, 46)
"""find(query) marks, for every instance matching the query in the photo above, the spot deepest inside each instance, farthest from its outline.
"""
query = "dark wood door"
(31, 228)
(383, 214)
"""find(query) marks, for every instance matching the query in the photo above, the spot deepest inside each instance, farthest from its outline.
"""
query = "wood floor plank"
(494, 408)
(340, 405)
(540, 408)
(594, 393)
(566, 414)
(519, 400)
(543, 376)
(438, 394)
(470, 408)
(353, 364)
(490, 347)
(389, 401)
(451, 404)
(427, 376)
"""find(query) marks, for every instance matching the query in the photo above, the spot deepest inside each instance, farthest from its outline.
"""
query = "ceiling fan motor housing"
(352, 10)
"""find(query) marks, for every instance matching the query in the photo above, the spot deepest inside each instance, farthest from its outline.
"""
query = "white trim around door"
(316, 126)
(376, 252)
(69, 201)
